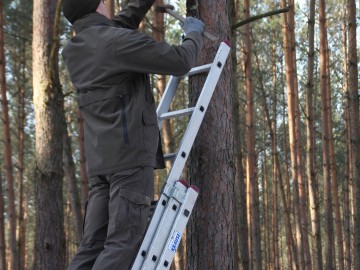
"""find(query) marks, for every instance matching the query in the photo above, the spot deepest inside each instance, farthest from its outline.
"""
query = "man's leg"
(130, 193)
(95, 225)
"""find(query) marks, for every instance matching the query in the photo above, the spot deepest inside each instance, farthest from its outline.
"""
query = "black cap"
(76, 9)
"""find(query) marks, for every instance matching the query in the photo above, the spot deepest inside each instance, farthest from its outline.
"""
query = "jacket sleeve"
(137, 52)
(131, 16)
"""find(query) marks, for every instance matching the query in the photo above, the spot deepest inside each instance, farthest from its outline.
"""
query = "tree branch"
(258, 17)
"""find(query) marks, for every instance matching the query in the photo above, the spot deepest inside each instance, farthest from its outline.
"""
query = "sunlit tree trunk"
(49, 119)
(310, 147)
(212, 168)
(275, 166)
(329, 230)
(11, 210)
(354, 126)
(288, 32)
(251, 177)
(110, 4)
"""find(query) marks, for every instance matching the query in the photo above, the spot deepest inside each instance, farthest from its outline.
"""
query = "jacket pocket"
(151, 129)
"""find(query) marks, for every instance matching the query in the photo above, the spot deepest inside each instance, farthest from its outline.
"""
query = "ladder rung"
(170, 156)
(199, 69)
(177, 113)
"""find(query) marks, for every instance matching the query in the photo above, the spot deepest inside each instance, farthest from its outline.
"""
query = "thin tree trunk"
(288, 31)
(2, 228)
(266, 206)
(73, 192)
(242, 234)
(303, 206)
(346, 193)
(354, 127)
(49, 119)
(11, 209)
(20, 177)
(310, 148)
(334, 187)
(110, 4)
(251, 178)
(329, 231)
(275, 168)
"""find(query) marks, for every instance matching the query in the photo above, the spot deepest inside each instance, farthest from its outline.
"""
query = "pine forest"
(276, 160)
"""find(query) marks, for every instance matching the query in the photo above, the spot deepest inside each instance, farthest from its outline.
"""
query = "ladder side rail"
(167, 98)
(164, 227)
(151, 230)
(177, 229)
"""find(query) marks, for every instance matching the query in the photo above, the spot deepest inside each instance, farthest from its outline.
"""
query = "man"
(109, 62)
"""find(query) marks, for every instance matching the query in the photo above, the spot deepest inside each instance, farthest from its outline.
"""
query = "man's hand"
(192, 24)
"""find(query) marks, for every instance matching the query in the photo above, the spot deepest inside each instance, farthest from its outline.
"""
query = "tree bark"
(2, 228)
(310, 148)
(49, 119)
(212, 159)
(346, 195)
(240, 186)
(354, 126)
(329, 230)
(288, 32)
(73, 192)
(253, 206)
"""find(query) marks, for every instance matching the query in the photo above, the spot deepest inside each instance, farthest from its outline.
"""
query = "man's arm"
(131, 16)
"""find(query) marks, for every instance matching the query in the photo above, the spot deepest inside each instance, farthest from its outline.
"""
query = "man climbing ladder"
(109, 61)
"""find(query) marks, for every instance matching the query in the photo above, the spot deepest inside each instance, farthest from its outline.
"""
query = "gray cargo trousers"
(115, 220)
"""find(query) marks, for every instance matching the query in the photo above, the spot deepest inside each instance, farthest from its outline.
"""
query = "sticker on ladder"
(175, 241)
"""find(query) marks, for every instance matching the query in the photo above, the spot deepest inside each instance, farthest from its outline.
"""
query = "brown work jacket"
(109, 62)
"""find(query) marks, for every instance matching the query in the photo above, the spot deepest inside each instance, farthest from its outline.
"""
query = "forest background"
(276, 159)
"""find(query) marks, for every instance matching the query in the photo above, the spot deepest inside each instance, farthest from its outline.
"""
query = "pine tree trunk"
(334, 184)
(354, 127)
(346, 192)
(72, 188)
(211, 234)
(11, 210)
(2, 228)
(251, 179)
(242, 235)
(329, 231)
(20, 178)
(275, 168)
(288, 32)
(310, 148)
(49, 119)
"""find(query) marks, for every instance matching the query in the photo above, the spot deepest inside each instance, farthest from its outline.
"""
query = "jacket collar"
(92, 19)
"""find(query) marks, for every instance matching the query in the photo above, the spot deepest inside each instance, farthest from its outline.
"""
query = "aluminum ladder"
(177, 199)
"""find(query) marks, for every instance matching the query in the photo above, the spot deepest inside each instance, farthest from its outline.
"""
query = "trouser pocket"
(133, 211)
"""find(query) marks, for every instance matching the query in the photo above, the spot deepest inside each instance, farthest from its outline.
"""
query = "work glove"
(192, 24)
